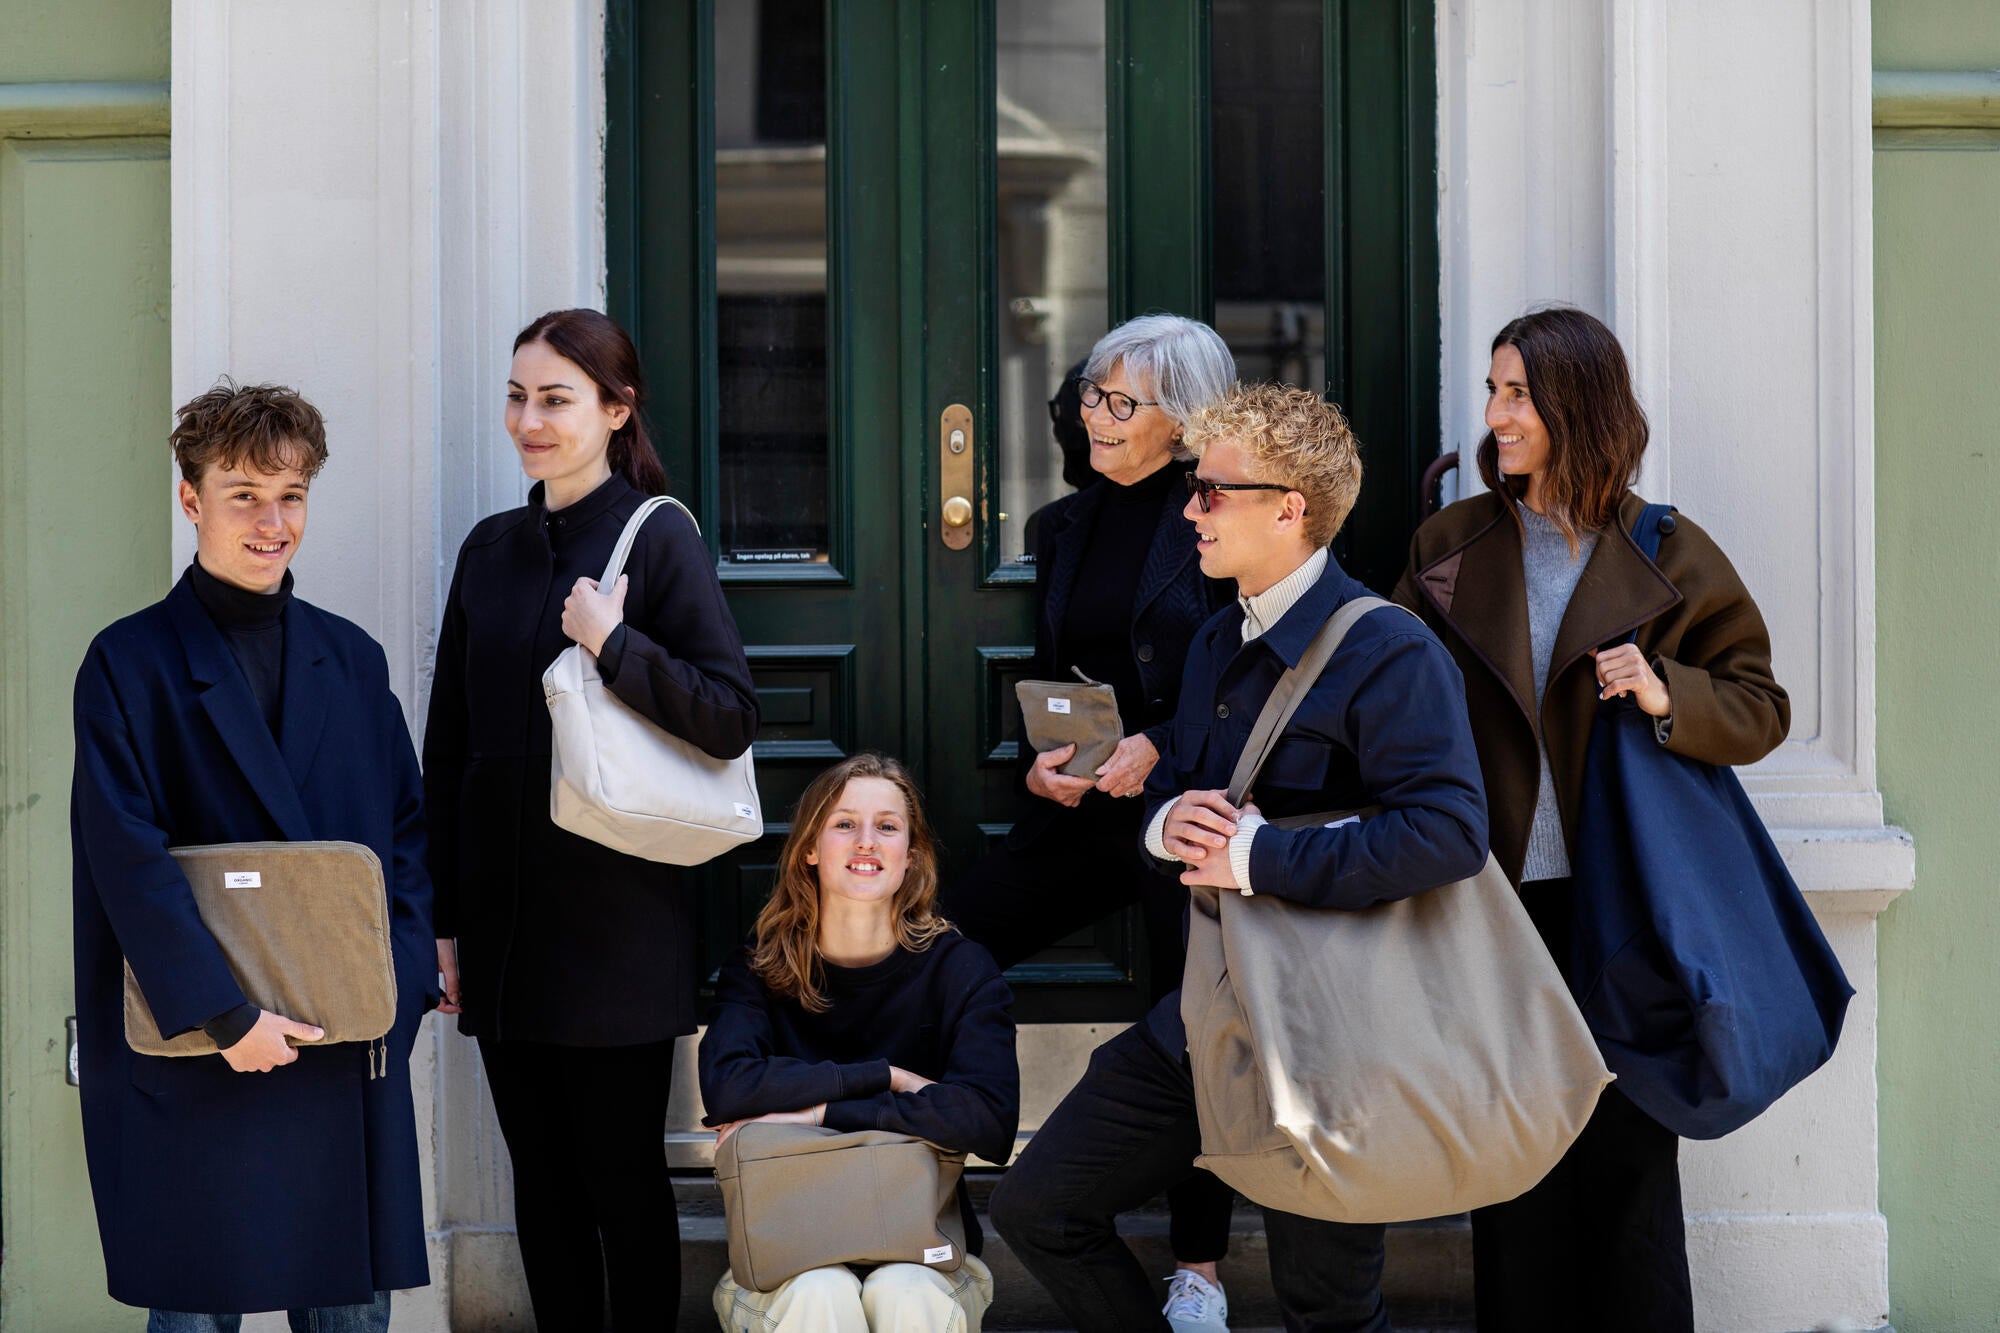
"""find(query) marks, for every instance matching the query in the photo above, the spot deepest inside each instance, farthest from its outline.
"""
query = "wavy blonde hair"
(786, 955)
(1294, 437)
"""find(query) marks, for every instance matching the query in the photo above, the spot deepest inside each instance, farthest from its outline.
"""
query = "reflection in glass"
(1269, 214)
(770, 277)
(1053, 302)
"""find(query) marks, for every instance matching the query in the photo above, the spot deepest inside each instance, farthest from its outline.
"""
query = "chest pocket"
(1297, 763)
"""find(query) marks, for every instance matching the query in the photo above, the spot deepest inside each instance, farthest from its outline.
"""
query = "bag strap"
(1290, 691)
(631, 534)
(1652, 524)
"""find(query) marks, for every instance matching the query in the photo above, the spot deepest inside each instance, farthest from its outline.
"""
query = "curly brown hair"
(786, 955)
(265, 427)
(1582, 390)
(1294, 437)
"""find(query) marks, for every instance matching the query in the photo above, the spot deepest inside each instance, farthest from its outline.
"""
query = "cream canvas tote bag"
(621, 781)
(1416, 1059)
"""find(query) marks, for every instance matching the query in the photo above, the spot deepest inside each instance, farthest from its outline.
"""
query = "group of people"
(1189, 574)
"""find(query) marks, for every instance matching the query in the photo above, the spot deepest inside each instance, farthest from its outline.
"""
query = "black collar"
(237, 609)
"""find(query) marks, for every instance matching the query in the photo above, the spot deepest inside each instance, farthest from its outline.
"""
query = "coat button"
(1145, 652)
(1222, 710)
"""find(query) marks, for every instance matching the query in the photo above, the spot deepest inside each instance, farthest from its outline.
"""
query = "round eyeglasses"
(1122, 405)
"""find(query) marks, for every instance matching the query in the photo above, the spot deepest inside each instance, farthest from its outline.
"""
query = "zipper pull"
(1085, 679)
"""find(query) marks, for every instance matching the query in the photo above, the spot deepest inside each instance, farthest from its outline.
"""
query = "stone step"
(1428, 1279)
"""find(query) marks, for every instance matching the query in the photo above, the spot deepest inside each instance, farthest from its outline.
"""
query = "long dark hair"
(603, 351)
(1582, 390)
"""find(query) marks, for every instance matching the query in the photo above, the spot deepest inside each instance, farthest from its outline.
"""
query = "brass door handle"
(955, 474)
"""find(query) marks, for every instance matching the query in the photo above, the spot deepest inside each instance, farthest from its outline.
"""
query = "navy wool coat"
(1384, 725)
(217, 1191)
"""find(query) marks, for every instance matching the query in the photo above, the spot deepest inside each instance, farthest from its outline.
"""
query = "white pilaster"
(1726, 149)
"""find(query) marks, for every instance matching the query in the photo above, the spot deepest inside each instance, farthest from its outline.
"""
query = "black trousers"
(586, 1129)
(1601, 1242)
(1075, 868)
(1127, 1131)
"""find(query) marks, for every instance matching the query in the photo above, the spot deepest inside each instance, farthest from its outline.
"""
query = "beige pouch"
(305, 928)
(798, 1197)
(1058, 713)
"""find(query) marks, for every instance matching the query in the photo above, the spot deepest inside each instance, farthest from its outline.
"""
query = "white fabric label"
(1058, 704)
(938, 1254)
(744, 811)
(242, 879)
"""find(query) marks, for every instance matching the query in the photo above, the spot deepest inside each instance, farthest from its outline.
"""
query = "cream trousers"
(895, 1298)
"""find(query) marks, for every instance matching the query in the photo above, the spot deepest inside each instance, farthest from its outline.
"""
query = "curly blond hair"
(1294, 437)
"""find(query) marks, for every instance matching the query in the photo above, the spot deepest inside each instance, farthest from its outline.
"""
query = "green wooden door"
(842, 231)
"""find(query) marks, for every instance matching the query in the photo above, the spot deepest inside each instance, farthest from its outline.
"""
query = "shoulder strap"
(1654, 522)
(1290, 691)
(631, 534)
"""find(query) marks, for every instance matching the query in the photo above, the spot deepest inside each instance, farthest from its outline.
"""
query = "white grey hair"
(1180, 363)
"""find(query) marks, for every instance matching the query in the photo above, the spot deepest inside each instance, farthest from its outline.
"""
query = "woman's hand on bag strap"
(589, 616)
(1625, 670)
(811, 1115)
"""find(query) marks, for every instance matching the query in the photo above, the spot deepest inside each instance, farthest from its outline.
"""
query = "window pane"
(770, 277)
(1053, 302)
(1268, 107)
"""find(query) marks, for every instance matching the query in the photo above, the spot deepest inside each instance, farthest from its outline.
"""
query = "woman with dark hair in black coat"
(574, 965)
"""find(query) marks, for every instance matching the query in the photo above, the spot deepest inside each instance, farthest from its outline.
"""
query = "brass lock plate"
(956, 510)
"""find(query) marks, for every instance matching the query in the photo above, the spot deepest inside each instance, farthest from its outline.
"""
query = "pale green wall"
(84, 407)
(1937, 340)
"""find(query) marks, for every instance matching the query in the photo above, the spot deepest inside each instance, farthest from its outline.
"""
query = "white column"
(1698, 175)
(369, 199)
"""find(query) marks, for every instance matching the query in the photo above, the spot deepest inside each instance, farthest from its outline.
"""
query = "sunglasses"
(1203, 490)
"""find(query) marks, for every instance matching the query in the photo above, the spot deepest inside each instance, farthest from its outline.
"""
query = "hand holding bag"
(304, 927)
(619, 780)
(799, 1197)
(1415, 1059)
(1707, 982)
(1058, 713)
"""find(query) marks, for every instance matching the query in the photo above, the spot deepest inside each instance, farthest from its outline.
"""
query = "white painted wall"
(1697, 174)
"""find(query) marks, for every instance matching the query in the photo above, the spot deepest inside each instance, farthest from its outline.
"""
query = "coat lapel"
(304, 709)
(1481, 591)
(226, 698)
(1173, 546)
(1620, 590)
(1080, 518)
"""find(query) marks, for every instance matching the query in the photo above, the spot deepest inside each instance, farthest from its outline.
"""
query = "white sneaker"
(1194, 1304)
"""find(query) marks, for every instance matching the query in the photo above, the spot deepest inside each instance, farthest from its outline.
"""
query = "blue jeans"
(370, 1318)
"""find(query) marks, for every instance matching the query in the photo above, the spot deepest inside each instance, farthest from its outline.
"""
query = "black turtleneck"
(1097, 626)
(253, 624)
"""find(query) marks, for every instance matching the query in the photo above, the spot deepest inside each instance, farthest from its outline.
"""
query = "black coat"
(1172, 600)
(218, 1191)
(561, 939)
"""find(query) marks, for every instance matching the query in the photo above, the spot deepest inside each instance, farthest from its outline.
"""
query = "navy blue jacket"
(216, 1191)
(1384, 725)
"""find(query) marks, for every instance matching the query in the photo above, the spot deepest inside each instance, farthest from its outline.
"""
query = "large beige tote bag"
(617, 779)
(1416, 1059)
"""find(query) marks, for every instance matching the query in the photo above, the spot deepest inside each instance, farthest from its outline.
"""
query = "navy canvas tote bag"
(1700, 969)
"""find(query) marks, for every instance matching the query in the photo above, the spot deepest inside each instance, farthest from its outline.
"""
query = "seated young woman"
(856, 1006)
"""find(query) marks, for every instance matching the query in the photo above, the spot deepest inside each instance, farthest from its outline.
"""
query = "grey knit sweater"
(1551, 575)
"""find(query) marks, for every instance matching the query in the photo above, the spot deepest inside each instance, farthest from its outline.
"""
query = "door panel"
(962, 200)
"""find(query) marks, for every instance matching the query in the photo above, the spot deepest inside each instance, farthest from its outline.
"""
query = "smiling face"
(1128, 451)
(248, 523)
(863, 848)
(560, 425)
(1517, 427)
(1254, 537)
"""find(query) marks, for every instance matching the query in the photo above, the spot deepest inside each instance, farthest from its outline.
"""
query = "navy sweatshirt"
(943, 1013)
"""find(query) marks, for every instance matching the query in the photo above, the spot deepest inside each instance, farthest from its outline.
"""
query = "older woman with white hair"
(1119, 593)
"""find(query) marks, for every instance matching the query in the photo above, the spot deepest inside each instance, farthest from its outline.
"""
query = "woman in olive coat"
(1534, 586)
